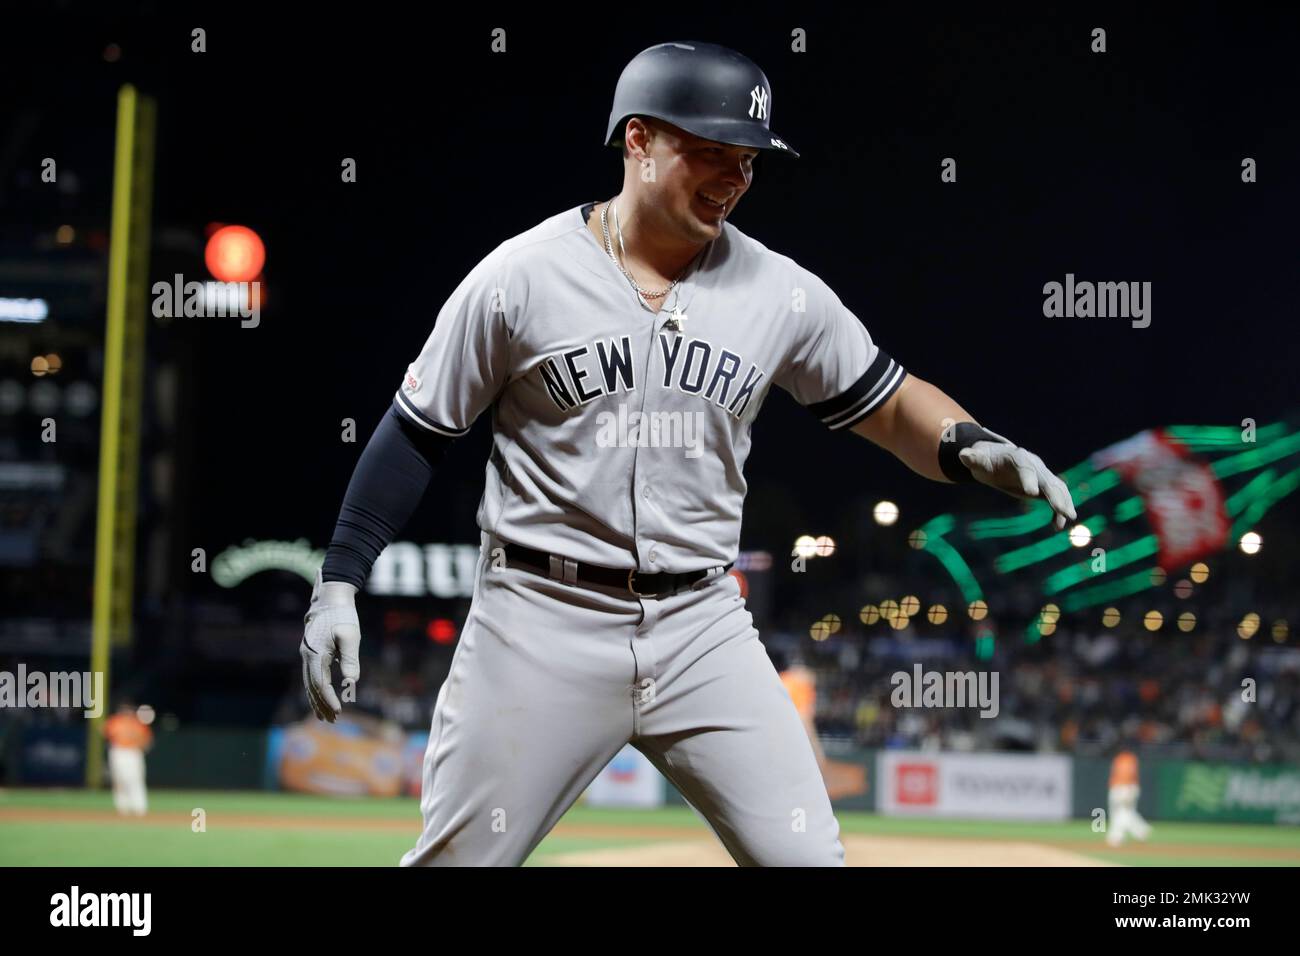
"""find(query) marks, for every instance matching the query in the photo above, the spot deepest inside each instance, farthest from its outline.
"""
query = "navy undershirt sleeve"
(388, 482)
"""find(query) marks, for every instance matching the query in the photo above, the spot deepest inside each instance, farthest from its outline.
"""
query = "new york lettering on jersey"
(686, 368)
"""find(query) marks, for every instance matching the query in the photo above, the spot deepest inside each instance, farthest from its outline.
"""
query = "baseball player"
(624, 348)
(128, 738)
(1123, 796)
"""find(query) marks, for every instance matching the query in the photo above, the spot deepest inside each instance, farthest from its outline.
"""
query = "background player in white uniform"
(624, 349)
(128, 738)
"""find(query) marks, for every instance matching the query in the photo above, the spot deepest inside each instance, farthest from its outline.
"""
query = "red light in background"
(441, 630)
(235, 254)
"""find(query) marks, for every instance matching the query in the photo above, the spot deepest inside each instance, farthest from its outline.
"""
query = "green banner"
(1229, 793)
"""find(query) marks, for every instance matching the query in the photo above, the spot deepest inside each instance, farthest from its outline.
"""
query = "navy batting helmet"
(703, 88)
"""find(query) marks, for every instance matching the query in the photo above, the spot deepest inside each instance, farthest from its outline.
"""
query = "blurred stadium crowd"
(1081, 691)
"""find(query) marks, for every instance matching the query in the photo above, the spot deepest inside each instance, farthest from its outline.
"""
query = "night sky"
(1122, 166)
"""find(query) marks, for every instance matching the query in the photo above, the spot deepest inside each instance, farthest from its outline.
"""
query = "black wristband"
(962, 435)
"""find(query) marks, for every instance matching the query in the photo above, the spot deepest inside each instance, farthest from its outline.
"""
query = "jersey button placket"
(642, 465)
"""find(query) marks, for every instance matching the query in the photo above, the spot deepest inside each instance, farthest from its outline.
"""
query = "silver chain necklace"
(609, 249)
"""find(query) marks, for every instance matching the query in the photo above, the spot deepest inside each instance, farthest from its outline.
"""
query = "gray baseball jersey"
(619, 439)
(548, 332)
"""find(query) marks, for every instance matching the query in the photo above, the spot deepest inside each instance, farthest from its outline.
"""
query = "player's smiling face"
(700, 181)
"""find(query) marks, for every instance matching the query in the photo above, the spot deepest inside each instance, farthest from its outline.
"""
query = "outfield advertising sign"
(1229, 794)
(989, 786)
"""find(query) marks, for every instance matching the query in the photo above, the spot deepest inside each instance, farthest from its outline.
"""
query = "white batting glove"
(1020, 473)
(332, 632)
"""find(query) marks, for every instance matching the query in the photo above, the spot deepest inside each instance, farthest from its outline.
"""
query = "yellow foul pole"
(119, 452)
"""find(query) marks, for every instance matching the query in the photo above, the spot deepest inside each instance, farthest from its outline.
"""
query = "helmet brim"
(729, 132)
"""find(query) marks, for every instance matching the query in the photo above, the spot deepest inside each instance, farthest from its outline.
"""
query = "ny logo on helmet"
(778, 144)
(758, 100)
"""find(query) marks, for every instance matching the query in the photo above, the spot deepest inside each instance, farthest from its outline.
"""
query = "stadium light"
(1251, 542)
(235, 254)
(885, 513)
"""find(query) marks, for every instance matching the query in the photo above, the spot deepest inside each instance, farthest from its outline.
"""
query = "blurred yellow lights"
(885, 513)
(1153, 620)
(977, 610)
(1080, 536)
(1158, 577)
(1249, 626)
(1110, 617)
(1047, 628)
(1186, 621)
(1200, 572)
(1251, 542)
(806, 546)
(824, 628)
(889, 610)
(1280, 631)
(40, 366)
(64, 235)
(937, 614)
(869, 614)
(899, 621)
(910, 605)
(1050, 614)
(1183, 588)
(917, 539)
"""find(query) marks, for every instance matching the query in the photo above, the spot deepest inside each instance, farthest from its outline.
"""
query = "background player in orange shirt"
(842, 779)
(128, 738)
(801, 684)
(1124, 817)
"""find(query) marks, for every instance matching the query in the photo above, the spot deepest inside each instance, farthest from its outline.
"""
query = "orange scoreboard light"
(235, 254)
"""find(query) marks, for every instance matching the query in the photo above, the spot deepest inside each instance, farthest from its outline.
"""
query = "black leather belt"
(639, 583)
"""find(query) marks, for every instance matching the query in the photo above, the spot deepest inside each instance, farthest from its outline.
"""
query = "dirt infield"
(858, 851)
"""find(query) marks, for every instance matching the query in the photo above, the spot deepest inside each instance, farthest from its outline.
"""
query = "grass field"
(79, 828)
